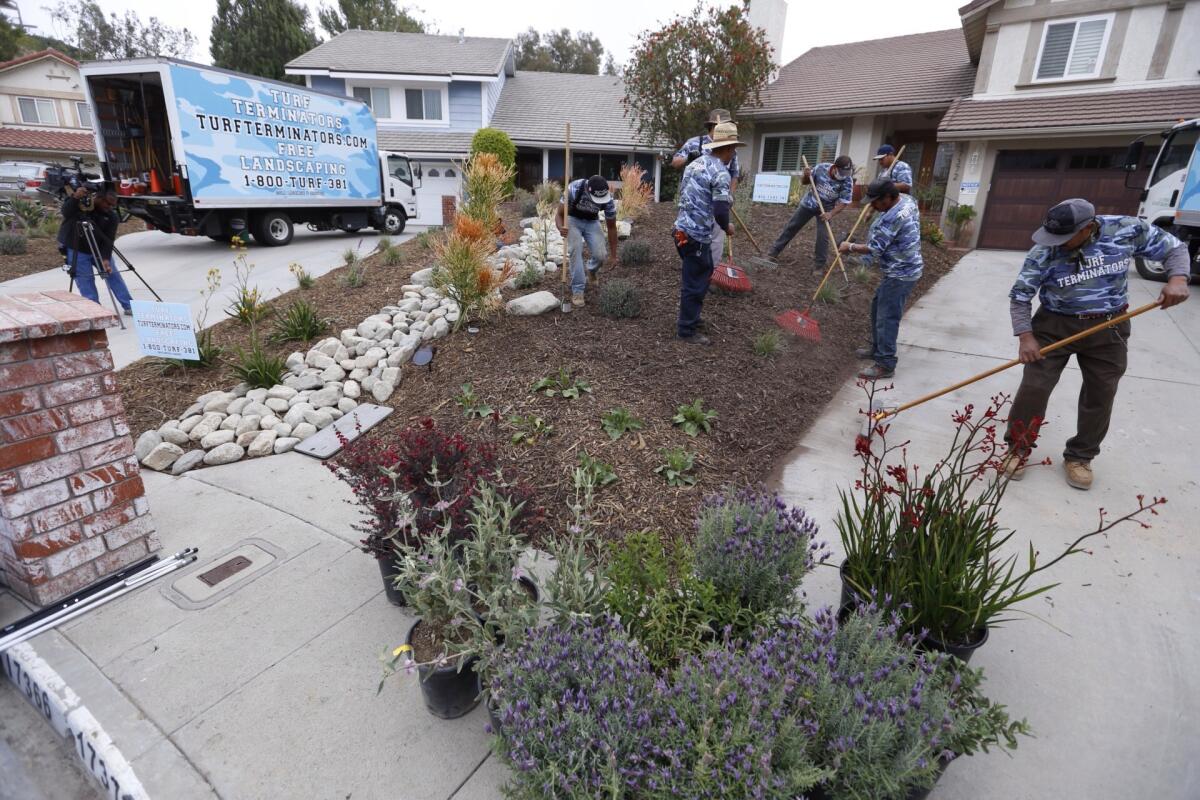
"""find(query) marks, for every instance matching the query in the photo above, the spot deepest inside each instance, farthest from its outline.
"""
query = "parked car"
(21, 179)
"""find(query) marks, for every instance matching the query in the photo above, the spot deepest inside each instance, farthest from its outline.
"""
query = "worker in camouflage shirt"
(890, 167)
(693, 149)
(894, 244)
(1079, 271)
(835, 184)
(704, 200)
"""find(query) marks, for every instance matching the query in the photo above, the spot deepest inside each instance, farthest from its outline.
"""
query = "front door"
(930, 162)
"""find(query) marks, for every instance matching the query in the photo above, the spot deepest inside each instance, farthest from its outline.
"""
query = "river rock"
(285, 443)
(248, 423)
(237, 405)
(162, 456)
(321, 418)
(352, 390)
(422, 277)
(257, 395)
(224, 454)
(282, 429)
(281, 392)
(174, 436)
(145, 444)
(382, 390)
(303, 430)
(208, 423)
(334, 373)
(532, 304)
(231, 422)
(276, 404)
(264, 445)
(246, 439)
(188, 461)
(325, 398)
(216, 439)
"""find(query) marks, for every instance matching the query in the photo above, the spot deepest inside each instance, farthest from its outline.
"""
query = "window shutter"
(789, 157)
(1089, 36)
(1055, 50)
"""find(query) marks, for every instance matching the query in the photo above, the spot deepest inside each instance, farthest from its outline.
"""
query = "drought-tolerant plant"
(562, 385)
(299, 322)
(862, 274)
(753, 546)
(592, 472)
(931, 233)
(529, 429)
(694, 418)
(526, 202)
(258, 368)
(529, 277)
(768, 344)
(830, 294)
(389, 253)
(304, 278)
(620, 299)
(635, 253)
(576, 587)
(486, 182)
(636, 194)
(618, 422)
(496, 143)
(470, 403)
(355, 276)
(677, 469)
(350, 256)
(29, 214)
(958, 216)
(12, 244)
(248, 307)
(462, 272)
(548, 193)
(206, 347)
(426, 238)
(46, 228)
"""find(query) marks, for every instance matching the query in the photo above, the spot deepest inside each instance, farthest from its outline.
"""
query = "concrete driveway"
(1105, 665)
(177, 266)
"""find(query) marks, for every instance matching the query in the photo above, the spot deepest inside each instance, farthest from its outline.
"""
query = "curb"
(66, 714)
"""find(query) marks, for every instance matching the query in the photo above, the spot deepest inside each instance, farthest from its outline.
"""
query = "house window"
(85, 115)
(423, 103)
(1073, 49)
(377, 98)
(782, 153)
(37, 111)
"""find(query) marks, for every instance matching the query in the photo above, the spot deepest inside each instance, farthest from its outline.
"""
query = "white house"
(43, 113)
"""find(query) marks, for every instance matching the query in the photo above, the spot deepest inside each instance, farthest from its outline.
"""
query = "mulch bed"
(765, 404)
(42, 254)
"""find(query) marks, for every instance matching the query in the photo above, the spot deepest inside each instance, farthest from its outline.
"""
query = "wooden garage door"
(1027, 182)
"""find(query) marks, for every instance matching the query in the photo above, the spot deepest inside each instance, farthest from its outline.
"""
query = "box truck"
(202, 151)
(1171, 195)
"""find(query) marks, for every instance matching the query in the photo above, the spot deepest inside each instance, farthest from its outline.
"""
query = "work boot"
(577, 299)
(695, 338)
(1013, 465)
(865, 353)
(875, 372)
(1079, 473)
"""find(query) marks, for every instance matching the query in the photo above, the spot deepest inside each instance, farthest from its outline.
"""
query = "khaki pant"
(1101, 358)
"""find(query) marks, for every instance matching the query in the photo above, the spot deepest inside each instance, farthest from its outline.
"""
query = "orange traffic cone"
(156, 183)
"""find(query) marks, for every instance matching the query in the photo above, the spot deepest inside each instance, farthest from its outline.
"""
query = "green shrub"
(426, 238)
(694, 418)
(530, 277)
(529, 429)
(12, 244)
(30, 214)
(526, 202)
(620, 299)
(258, 368)
(618, 422)
(304, 278)
(592, 474)
(562, 385)
(496, 142)
(677, 469)
(862, 275)
(355, 275)
(389, 253)
(548, 193)
(830, 293)
(248, 305)
(769, 344)
(635, 253)
(472, 406)
(298, 323)
(931, 233)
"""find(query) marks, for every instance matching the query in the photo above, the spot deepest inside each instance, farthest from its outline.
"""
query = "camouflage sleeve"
(847, 194)
(735, 168)
(880, 236)
(690, 147)
(720, 187)
(901, 173)
(1156, 244)
(1029, 280)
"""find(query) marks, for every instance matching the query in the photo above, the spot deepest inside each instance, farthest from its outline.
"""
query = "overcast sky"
(616, 22)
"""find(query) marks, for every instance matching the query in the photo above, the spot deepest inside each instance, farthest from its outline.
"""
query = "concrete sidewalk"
(1108, 675)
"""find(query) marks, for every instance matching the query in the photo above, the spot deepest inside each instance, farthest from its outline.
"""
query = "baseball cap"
(1064, 221)
(881, 187)
(597, 189)
(723, 135)
(884, 150)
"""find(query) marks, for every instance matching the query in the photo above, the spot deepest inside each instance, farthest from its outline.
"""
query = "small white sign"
(771, 188)
(165, 330)
(968, 187)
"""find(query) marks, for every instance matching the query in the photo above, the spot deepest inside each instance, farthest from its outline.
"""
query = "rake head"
(799, 323)
(731, 278)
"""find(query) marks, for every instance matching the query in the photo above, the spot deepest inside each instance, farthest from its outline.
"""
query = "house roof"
(49, 52)
(50, 141)
(408, 54)
(426, 143)
(1087, 112)
(534, 108)
(921, 70)
(974, 25)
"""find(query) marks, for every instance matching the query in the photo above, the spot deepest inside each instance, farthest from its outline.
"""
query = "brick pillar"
(449, 209)
(72, 505)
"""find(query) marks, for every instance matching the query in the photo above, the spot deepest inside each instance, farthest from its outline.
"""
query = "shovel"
(565, 306)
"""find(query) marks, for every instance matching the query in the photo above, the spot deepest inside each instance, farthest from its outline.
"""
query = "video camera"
(62, 181)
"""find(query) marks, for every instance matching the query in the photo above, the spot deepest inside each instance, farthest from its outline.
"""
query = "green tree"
(611, 67)
(497, 142)
(10, 39)
(712, 58)
(94, 35)
(559, 51)
(368, 15)
(260, 36)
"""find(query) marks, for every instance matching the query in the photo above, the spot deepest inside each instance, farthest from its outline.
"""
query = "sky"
(616, 22)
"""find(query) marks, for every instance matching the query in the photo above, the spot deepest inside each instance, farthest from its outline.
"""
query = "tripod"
(86, 231)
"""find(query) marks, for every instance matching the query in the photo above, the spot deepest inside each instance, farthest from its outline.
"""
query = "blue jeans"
(85, 278)
(697, 272)
(886, 309)
(578, 232)
(798, 220)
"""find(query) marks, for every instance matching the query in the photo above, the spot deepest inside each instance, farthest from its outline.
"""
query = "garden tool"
(761, 260)
(729, 276)
(867, 206)
(565, 304)
(837, 257)
(876, 415)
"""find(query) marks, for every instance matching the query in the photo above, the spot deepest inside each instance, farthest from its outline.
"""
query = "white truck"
(202, 151)
(1171, 196)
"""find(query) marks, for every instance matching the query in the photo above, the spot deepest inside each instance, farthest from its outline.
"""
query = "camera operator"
(98, 209)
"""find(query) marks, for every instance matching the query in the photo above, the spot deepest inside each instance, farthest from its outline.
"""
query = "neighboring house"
(1030, 102)
(431, 93)
(43, 113)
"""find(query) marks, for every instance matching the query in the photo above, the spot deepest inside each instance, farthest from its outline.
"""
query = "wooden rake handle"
(867, 206)
(753, 241)
(837, 257)
(1108, 323)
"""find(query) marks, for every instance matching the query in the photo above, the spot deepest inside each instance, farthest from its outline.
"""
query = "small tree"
(368, 15)
(713, 58)
(10, 39)
(260, 36)
(95, 35)
(559, 51)
(496, 142)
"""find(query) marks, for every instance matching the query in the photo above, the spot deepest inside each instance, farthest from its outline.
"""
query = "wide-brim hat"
(1063, 221)
(725, 134)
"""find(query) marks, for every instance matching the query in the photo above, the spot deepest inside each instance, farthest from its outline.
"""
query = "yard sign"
(771, 188)
(165, 330)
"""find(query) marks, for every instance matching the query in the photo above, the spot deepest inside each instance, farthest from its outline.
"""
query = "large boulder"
(531, 305)
(146, 444)
(422, 277)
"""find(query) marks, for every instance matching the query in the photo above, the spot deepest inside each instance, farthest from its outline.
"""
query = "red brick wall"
(72, 508)
(449, 209)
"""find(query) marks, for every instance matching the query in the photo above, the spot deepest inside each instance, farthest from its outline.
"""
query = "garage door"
(438, 178)
(1027, 182)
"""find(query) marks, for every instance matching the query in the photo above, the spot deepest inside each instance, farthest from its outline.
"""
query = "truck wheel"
(394, 221)
(273, 229)
(1151, 270)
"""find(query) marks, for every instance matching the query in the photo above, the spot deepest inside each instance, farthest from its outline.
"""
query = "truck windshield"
(398, 167)
(1176, 152)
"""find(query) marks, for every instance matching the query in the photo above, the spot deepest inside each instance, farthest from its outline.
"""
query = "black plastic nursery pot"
(850, 595)
(387, 568)
(493, 709)
(448, 692)
(962, 652)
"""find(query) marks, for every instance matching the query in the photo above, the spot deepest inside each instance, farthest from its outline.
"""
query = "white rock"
(277, 405)
(146, 444)
(532, 304)
(422, 277)
(256, 409)
(285, 443)
(341, 354)
(257, 395)
(366, 328)
(382, 390)
(239, 405)
(318, 360)
(624, 228)
(335, 413)
(295, 414)
(281, 392)
(369, 382)
(231, 422)
(195, 409)
(305, 382)
(162, 456)
(294, 360)
(247, 438)
(188, 422)
(321, 418)
(189, 460)
(249, 423)
(282, 429)
(328, 346)
(333, 373)
(357, 374)
(219, 403)
(440, 328)
(402, 354)
(409, 306)
(325, 398)
(264, 445)
(175, 436)
(304, 430)
(429, 334)
(216, 439)
(352, 390)
(204, 398)
(346, 405)
(268, 423)
(391, 375)
(240, 390)
(208, 423)
(225, 454)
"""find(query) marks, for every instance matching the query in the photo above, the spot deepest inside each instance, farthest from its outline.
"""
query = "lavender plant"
(753, 546)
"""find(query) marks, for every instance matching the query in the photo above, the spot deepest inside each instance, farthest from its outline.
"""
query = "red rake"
(729, 276)
(799, 323)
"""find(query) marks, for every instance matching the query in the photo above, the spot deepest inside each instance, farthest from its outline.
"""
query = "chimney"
(770, 15)
(461, 37)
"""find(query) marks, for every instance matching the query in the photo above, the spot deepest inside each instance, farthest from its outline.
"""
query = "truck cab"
(401, 179)
(1171, 196)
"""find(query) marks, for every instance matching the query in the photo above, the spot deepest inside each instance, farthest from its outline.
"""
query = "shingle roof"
(535, 107)
(921, 70)
(48, 52)
(47, 140)
(1083, 111)
(407, 54)
(425, 142)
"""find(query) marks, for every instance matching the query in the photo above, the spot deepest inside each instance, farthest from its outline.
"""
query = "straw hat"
(725, 134)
